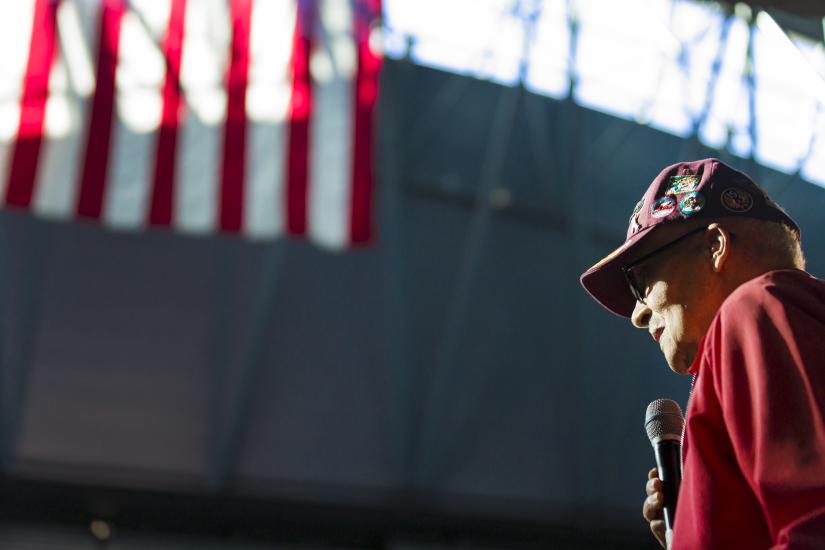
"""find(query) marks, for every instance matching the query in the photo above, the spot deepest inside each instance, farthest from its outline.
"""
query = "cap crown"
(705, 188)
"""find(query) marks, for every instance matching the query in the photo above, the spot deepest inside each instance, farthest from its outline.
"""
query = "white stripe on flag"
(206, 45)
(140, 74)
(267, 105)
(139, 101)
(70, 92)
(333, 66)
(15, 37)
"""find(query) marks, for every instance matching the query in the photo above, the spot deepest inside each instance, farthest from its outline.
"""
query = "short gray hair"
(775, 243)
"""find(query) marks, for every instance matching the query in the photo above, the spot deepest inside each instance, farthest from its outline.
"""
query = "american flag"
(241, 116)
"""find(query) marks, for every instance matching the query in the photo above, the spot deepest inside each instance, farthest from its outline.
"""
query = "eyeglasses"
(638, 286)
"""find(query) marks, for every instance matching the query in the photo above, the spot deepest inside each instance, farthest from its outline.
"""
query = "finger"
(653, 485)
(658, 529)
(653, 506)
(653, 473)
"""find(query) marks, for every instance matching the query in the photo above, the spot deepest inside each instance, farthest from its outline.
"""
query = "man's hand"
(654, 503)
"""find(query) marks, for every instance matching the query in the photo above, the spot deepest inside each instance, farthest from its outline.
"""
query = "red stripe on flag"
(96, 157)
(163, 188)
(366, 96)
(234, 143)
(300, 108)
(23, 169)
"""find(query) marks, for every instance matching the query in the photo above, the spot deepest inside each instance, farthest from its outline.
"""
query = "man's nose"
(641, 315)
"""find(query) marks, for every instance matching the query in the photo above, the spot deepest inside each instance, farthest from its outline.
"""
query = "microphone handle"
(669, 464)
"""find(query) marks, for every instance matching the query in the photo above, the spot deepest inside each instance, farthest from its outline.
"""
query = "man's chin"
(679, 360)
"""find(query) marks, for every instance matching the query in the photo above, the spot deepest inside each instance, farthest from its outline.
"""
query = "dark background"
(450, 385)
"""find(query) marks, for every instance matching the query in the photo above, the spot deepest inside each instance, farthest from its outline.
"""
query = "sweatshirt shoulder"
(790, 288)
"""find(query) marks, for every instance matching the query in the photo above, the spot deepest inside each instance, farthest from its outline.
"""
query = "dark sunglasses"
(639, 287)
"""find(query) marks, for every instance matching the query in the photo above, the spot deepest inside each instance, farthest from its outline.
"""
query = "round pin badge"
(663, 207)
(737, 200)
(691, 203)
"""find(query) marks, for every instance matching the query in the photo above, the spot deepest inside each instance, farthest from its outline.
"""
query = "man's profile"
(712, 268)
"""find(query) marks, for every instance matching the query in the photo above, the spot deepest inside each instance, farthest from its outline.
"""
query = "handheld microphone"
(664, 424)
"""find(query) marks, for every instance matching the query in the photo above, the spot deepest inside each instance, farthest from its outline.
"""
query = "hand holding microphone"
(664, 424)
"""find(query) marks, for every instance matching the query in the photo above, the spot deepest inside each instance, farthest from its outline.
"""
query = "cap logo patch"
(663, 207)
(637, 209)
(737, 200)
(691, 203)
(682, 184)
(634, 217)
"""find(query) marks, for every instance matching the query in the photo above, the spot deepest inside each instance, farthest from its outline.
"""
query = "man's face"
(676, 313)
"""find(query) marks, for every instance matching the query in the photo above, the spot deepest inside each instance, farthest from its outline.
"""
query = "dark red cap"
(702, 189)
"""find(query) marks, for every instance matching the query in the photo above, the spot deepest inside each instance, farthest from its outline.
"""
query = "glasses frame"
(636, 286)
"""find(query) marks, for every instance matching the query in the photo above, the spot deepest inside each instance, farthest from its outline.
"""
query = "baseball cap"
(706, 188)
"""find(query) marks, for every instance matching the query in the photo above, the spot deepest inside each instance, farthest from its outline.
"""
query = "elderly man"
(712, 268)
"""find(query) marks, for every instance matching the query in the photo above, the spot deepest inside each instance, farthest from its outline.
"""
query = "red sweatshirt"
(754, 443)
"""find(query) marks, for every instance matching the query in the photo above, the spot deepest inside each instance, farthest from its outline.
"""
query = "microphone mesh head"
(663, 419)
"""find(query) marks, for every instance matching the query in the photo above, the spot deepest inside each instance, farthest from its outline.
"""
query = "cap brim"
(606, 282)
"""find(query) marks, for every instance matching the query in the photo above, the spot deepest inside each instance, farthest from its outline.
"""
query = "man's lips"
(657, 334)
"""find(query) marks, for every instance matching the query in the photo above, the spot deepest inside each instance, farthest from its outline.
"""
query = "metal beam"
(403, 418)
(20, 332)
(232, 427)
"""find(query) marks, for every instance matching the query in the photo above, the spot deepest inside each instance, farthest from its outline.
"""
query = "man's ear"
(718, 242)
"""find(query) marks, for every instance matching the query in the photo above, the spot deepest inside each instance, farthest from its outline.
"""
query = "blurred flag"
(242, 116)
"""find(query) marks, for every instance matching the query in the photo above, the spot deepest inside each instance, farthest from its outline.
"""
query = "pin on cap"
(706, 188)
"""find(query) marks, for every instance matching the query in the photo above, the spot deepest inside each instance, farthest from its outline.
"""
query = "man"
(712, 268)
